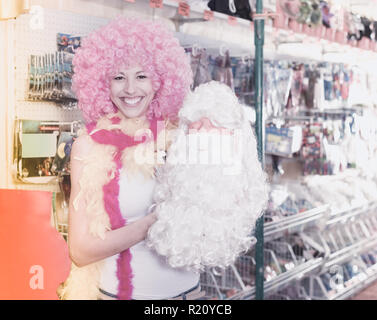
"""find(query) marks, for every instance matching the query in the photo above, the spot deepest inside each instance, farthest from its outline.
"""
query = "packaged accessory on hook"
(243, 80)
(326, 14)
(200, 66)
(50, 79)
(310, 13)
(67, 42)
(291, 8)
(222, 70)
(236, 8)
(50, 75)
(35, 148)
(42, 149)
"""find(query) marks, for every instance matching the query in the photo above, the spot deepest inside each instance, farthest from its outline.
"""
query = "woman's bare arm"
(85, 248)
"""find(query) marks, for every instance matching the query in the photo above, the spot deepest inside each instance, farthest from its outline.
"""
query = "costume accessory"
(196, 228)
(113, 147)
(111, 192)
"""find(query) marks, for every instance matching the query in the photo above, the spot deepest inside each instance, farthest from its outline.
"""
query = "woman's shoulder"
(82, 146)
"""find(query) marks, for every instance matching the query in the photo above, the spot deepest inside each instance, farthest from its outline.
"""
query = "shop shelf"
(295, 223)
(347, 253)
(345, 215)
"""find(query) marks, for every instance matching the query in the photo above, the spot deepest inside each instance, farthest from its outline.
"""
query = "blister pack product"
(67, 42)
(63, 153)
(222, 70)
(243, 80)
(199, 61)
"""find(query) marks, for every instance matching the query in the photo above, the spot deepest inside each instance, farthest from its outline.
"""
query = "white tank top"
(153, 278)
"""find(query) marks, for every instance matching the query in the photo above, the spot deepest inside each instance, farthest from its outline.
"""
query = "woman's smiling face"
(131, 91)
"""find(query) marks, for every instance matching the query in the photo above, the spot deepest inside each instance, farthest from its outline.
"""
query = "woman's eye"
(141, 76)
(118, 78)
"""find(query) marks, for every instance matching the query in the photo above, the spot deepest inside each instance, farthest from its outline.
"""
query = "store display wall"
(293, 248)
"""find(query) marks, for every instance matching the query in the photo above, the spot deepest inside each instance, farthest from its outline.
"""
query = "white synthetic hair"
(206, 213)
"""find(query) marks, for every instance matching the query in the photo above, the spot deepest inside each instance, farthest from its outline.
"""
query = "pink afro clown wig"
(126, 41)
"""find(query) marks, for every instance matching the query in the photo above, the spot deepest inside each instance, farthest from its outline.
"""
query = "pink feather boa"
(111, 192)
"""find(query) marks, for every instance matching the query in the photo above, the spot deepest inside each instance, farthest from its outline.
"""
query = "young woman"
(130, 77)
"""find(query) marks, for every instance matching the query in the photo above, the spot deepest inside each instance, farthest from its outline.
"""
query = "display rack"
(295, 223)
(339, 237)
(318, 228)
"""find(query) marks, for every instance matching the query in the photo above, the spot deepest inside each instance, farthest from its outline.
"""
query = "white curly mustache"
(206, 217)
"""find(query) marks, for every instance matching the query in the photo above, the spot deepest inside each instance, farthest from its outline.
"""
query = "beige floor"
(369, 293)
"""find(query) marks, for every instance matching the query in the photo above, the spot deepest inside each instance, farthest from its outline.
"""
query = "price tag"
(317, 32)
(279, 21)
(308, 30)
(329, 34)
(363, 43)
(208, 15)
(373, 46)
(183, 9)
(293, 25)
(232, 20)
(340, 37)
(366, 44)
(155, 3)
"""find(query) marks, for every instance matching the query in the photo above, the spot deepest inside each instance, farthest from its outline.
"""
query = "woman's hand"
(150, 219)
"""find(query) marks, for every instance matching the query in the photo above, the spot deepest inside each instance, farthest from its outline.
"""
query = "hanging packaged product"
(283, 141)
(277, 83)
(67, 42)
(222, 70)
(42, 149)
(63, 152)
(237, 8)
(199, 61)
(243, 80)
(50, 78)
(290, 8)
(35, 149)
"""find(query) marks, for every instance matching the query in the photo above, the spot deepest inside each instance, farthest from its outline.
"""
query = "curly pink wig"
(122, 42)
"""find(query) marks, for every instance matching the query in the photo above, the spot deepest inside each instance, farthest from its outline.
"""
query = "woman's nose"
(129, 86)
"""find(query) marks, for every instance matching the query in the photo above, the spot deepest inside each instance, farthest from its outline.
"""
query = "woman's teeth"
(133, 100)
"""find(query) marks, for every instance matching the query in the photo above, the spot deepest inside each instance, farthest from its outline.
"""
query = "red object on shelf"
(318, 32)
(364, 43)
(367, 44)
(322, 31)
(330, 34)
(208, 15)
(308, 30)
(352, 42)
(183, 9)
(155, 3)
(232, 20)
(280, 20)
(293, 25)
(34, 256)
(373, 46)
(341, 37)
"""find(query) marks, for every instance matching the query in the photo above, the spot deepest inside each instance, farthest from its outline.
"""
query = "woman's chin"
(133, 112)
